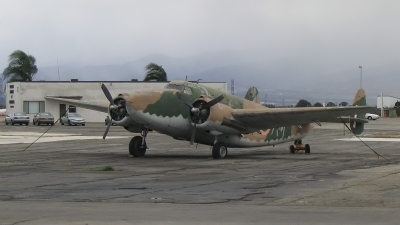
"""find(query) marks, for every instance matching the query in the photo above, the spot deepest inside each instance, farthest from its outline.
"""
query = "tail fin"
(359, 100)
(252, 95)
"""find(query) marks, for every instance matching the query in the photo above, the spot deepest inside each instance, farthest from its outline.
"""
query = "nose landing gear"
(298, 146)
(137, 145)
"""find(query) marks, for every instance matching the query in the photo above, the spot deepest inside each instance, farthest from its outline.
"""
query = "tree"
(317, 104)
(303, 103)
(21, 67)
(330, 104)
(155, 73)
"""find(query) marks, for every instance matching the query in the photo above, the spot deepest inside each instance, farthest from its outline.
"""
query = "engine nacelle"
(217, 119)
(120, 116)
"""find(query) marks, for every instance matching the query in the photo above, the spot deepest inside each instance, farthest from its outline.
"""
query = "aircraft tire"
(134, 147)
(307, 148)
(291, 148)
(219, 150)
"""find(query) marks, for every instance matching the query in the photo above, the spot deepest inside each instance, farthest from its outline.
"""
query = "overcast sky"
(345, 33)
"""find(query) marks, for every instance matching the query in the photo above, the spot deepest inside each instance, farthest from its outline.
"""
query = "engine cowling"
(120, 115)
(217, 119)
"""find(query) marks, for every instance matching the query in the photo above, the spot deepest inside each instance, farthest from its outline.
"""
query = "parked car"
(17, 117)
(43, 118)
(371, 116)
(107, 120)
(73, 119)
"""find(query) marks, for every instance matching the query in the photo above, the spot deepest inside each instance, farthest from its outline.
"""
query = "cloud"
(339, 33)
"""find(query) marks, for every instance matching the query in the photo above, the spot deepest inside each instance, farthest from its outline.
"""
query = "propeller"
(113, 107)
(107, 93)
(199, 111)
(108, 128)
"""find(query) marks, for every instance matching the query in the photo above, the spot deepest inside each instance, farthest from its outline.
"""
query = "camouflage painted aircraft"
(199, 114)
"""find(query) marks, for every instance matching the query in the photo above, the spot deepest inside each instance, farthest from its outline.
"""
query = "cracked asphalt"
(61, 182)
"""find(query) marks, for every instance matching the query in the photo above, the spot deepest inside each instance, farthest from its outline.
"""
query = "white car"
(73, 119)
(371, 116)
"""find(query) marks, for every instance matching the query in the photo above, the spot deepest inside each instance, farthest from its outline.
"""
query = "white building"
(29, 96)
(387, 103)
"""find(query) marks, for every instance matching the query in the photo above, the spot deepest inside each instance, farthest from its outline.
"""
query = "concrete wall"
(90, 91)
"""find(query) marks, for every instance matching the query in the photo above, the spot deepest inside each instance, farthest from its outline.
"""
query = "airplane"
(192, 112)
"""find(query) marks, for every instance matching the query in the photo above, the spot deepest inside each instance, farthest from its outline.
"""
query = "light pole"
(360, 76)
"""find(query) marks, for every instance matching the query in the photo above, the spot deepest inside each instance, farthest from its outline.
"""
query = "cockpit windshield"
(175, 86)
(179, 87)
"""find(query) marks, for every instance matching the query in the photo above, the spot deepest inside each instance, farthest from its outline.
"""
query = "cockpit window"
(187, 90)
(174, 86)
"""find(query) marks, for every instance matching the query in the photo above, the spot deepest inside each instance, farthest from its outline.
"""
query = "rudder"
(252, 95)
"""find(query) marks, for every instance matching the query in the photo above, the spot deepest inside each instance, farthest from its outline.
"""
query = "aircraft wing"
(261, 119)
(97, 106)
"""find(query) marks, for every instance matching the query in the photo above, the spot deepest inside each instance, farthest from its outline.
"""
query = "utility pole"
(232, 86)
(265, 99)
(360, 76)
(382, 111)
(58, 71)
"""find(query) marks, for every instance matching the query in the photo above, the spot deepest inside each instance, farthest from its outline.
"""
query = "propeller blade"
(184, 100)
(108, 128)
(213, 102)
(107, 93)
(193, 135)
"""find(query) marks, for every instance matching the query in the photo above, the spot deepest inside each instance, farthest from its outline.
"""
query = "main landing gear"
(137, 145)
(298, 146)
(219, 150)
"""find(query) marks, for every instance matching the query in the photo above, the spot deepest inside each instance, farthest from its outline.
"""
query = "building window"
(33, 106)
(11, 91)
(11, 102)
(12, 106)
(11, 85)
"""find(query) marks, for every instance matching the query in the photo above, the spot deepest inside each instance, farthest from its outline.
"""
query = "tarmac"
(59, 179)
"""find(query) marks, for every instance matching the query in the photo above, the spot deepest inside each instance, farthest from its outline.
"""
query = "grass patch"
(107, 168)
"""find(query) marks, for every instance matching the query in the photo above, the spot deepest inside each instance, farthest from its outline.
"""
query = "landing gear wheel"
(136, 148)
(307, 148)
(291, 148)
(219, 150)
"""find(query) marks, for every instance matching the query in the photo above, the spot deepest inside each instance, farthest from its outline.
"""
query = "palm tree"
(21, 67)
(155, 73)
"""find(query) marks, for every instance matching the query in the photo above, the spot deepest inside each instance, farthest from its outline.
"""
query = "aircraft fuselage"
(163, 112)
